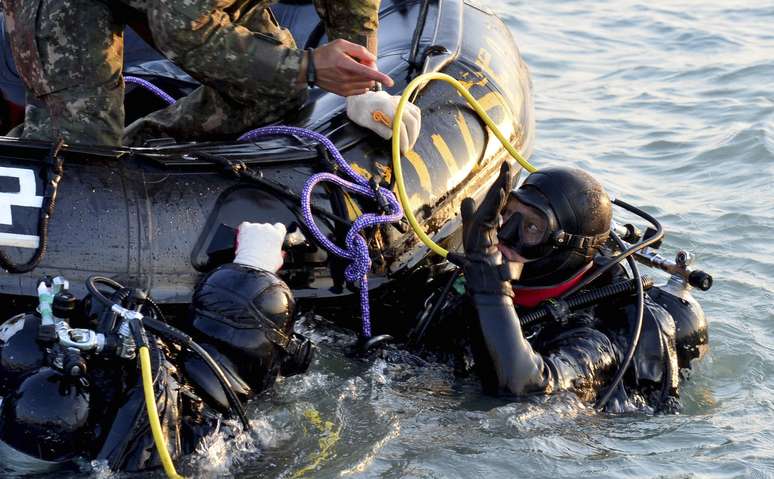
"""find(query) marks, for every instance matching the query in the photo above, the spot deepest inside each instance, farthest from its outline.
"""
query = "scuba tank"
(691, 337)
(68, 391)
(675, 296)
(45, 408)
(20, 354)
(22, 336)
(47, 416)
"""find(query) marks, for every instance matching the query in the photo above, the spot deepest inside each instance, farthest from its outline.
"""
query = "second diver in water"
(530, 246)
(70, 388)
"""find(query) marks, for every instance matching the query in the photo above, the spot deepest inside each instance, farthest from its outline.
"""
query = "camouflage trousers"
(70, 54)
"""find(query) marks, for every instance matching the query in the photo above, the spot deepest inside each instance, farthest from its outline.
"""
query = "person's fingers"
(497, 194)
(468, 209)
(348, 88)
(357, 51)
(345, 89)
(348, 65)
(353, 91)
(359, 85)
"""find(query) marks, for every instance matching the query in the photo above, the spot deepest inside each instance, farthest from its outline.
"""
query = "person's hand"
(485, 271)
(346, 68)
(259, 245)
(376, 109)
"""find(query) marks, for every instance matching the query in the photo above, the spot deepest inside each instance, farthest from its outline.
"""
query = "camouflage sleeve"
(353, 20)
(241, 59)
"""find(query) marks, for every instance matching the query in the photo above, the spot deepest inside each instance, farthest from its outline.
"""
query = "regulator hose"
(415, 84)
(153, 414)
(173, 334)
(143, 355)
(635, 337)
(625, 253)
(584, 299)
(177, 336)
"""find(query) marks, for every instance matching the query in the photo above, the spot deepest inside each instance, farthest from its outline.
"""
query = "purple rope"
(150, 87)
(356, 247)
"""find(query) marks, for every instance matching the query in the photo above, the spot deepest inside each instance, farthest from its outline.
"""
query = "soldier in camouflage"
(70, 52)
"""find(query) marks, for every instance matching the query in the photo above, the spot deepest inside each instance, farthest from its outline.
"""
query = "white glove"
(259, 245)
(376, 109)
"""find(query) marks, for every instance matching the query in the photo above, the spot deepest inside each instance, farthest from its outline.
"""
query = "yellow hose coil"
(153, 415)
(397, 169)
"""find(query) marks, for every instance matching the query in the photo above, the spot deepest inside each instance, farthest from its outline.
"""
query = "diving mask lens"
(527, 233)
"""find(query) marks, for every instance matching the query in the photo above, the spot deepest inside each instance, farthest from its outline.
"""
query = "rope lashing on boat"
(54, 172)
(356, 248)
(151, 88)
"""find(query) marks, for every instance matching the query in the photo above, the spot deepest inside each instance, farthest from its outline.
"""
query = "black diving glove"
(486, 271)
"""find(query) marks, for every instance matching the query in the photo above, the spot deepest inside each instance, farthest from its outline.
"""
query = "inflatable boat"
(158, 217)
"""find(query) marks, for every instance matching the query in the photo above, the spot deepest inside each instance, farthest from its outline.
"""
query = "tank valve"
(700, 279)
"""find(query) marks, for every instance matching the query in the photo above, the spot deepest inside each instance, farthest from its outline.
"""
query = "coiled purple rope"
(150, 87)
(356, 247)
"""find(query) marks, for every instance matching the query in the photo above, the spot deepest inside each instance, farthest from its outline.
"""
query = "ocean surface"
(671, 105)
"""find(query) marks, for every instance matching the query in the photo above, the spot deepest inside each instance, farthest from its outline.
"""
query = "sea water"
(670, 104)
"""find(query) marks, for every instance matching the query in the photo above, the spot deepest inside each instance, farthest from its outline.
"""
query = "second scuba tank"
(20, 353)
(692, 335)
(47, 416)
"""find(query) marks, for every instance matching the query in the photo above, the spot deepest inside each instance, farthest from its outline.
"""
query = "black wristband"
(311, 71)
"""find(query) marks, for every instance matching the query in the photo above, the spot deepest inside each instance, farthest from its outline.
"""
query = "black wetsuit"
(580, 355)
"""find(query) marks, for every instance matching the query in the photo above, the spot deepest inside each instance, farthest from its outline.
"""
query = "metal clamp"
(126, 314)
(81, 339)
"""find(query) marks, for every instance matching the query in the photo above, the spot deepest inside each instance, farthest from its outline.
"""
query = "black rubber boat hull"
(147, 216)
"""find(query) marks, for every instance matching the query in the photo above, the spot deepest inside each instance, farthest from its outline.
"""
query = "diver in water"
(69, 53)
(527, 248)
(70, 388)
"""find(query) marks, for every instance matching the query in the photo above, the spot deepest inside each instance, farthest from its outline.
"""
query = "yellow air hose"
(153, 415)
(397, 169)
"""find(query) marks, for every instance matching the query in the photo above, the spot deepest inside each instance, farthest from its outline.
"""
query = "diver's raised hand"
(344, 68)
(375, 110)
(480, 223)
(485, 271)
(259, 245)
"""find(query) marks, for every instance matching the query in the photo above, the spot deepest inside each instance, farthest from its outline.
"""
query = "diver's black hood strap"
(587, 245)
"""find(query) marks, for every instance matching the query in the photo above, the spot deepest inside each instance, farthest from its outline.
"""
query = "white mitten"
(376, 109)
(259, 245)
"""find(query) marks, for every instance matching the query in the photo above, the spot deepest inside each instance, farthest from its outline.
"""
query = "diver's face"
(531, 230)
